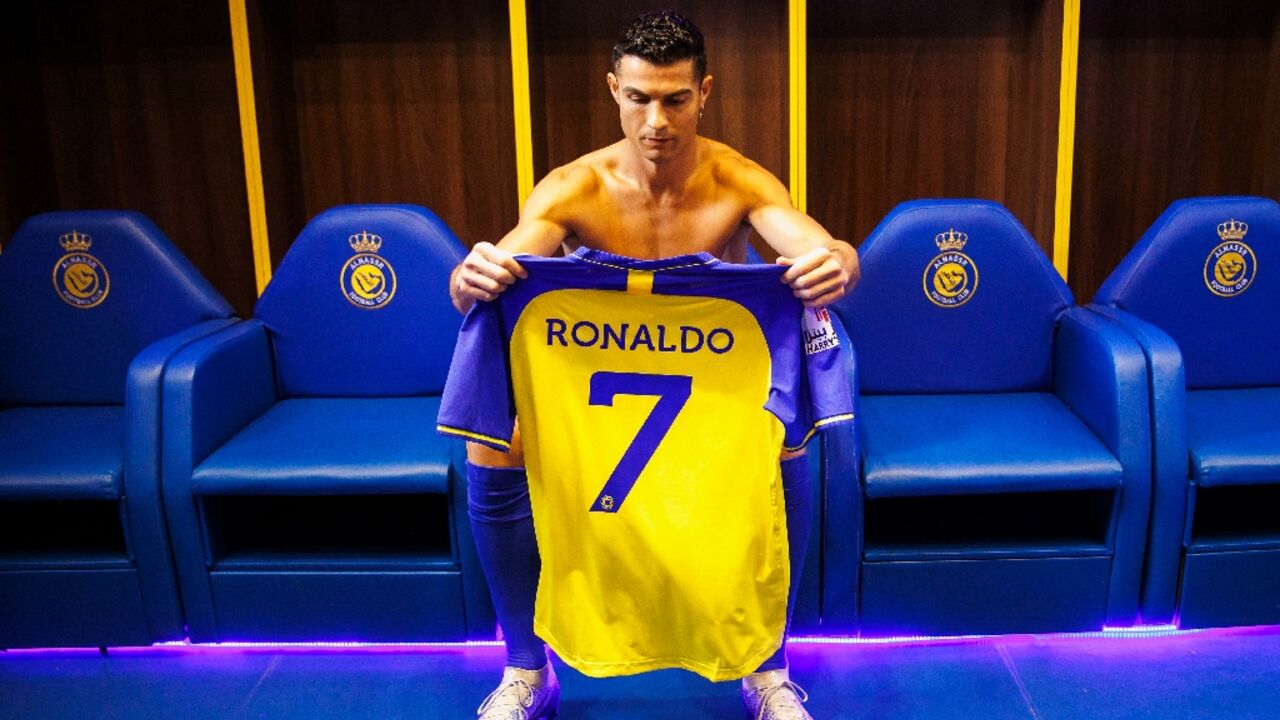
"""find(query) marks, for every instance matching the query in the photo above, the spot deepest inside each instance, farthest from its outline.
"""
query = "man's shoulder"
(574, 178)
(590, 169)
(565, 188)
(732, 169)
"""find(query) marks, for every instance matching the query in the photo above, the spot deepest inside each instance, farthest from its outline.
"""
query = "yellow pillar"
(798, 25)
(520, 94)
(249, 140)
(1066, 134)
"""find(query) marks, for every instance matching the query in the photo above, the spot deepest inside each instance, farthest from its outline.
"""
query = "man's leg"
(770, 685)
(502, 524)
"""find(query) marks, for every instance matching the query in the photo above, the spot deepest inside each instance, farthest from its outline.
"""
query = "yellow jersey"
(654, 399)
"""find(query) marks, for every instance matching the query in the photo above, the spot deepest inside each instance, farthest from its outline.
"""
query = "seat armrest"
(1100, 373)
(841, 520)
(1168, 400)
(147, 530)
(213, 388)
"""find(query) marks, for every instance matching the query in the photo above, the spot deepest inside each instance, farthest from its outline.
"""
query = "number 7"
(673, 392)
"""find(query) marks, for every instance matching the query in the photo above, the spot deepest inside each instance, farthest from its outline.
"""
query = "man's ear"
(612, 81)
(706, 86)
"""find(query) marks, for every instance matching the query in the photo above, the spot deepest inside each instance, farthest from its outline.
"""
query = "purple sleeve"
(478, 403)
(824, 393)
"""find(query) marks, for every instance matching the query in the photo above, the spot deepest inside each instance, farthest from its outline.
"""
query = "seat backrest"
(955, 297)
(1195, 275)
(359, 307)
(81, 294)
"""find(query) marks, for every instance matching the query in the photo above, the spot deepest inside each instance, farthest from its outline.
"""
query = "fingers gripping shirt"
(654, 398)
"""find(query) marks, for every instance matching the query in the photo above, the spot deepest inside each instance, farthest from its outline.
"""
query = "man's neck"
(658, 179)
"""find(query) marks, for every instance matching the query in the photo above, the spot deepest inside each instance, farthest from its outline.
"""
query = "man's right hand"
(484, 273)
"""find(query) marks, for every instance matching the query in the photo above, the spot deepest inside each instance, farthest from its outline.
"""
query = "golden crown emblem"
(1232, 230)
(950, 240)
(365, 242)
(75, 241)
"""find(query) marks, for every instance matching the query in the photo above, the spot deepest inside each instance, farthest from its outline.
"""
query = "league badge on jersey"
(1231, 266)
(367, 279)
(951, 278)
(80, 279)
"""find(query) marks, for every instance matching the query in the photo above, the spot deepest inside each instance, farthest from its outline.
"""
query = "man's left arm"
(820, 268)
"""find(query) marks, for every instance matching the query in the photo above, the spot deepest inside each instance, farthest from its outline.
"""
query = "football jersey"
(654, 398)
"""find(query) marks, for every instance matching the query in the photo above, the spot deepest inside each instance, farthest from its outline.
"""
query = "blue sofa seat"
(1190, 292)
(966, 444)
(1000, 477)
(59, 453)
(93, 306)
(332, 446)
(309, 496)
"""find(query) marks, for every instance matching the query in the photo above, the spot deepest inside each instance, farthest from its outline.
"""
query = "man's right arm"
(489, 269)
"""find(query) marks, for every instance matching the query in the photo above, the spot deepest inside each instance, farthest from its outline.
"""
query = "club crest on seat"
(80, 279)
(950, 278)
(1232, 265)
(368, 280)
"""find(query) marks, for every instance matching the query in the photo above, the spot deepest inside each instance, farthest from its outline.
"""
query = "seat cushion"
(332, 446)
(62, 453)
(962, 444)
(1234, 436)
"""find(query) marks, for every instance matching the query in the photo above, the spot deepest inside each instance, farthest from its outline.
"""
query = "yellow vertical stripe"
(249, 141)
(640, 282)
(797, 22)
(520, 96)
(1066, 134)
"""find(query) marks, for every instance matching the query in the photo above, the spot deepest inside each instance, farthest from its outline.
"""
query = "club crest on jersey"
(1231, 266)
(950, 278)
(80, 279)
(367, 279)
(819, 333)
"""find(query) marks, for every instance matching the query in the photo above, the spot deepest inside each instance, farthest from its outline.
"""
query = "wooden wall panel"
(571, 42)
(385, 101)
(1176, 99)
(916, 99)
(27, 183)
(132, 106)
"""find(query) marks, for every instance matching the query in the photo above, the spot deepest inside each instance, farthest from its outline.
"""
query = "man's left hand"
(821, 276)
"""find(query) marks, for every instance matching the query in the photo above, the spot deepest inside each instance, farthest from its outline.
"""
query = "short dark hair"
(663, 38)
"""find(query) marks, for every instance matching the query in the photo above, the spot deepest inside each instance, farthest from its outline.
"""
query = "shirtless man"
(660, 191)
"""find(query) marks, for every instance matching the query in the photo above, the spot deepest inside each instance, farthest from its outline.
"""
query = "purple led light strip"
(1107, 633)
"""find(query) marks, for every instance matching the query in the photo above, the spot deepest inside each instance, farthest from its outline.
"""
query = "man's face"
(658, 105)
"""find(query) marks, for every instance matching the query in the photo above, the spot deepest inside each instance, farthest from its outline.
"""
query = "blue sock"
(799, 498)
(502, 523)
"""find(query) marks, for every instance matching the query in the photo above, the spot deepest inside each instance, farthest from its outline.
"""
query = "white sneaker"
(771, 695)
(523, 695)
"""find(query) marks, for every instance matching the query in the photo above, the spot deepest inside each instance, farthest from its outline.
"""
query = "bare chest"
(640, 228)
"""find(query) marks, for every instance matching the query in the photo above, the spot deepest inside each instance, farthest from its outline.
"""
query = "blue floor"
(1213, 674)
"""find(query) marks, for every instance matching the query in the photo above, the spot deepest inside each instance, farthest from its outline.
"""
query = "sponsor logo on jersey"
(80, 279)
(950, 278)
(1232, 266)
(367, 279)
(819, 333)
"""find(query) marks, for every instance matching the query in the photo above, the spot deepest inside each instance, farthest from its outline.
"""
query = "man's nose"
(656, 117)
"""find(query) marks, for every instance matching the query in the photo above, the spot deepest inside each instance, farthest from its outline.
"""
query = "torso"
(610, 212)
